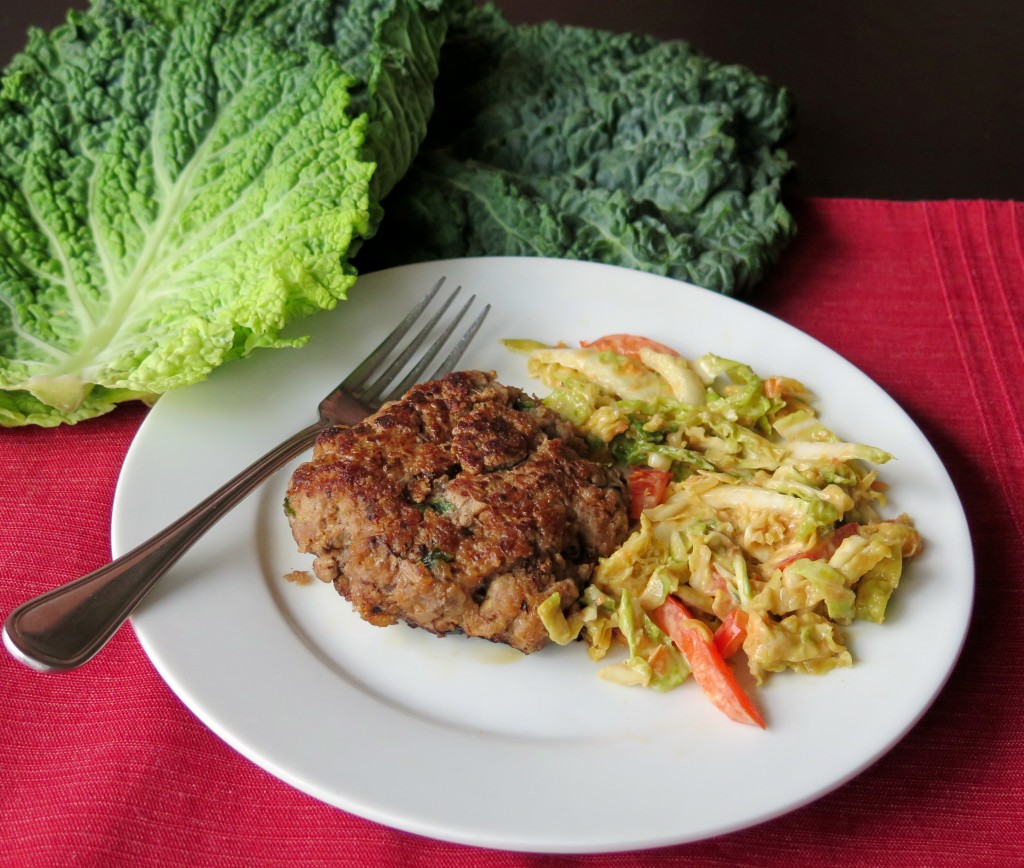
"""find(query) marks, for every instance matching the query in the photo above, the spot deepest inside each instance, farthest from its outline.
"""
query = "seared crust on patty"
(460, 507)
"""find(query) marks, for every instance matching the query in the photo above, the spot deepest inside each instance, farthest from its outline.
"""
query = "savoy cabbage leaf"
(561, 141)
(179, 180)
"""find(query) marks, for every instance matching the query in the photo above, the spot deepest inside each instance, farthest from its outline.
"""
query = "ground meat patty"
(460, 507)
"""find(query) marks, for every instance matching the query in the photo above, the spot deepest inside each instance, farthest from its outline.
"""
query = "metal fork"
(65, 627)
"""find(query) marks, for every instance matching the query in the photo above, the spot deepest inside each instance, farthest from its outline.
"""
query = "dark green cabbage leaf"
(561, 141)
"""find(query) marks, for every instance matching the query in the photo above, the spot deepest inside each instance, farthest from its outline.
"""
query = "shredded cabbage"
(768, 511)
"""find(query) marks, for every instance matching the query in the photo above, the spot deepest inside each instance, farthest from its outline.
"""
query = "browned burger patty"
(460, 507)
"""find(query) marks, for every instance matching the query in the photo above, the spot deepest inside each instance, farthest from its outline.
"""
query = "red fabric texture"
(104, 766)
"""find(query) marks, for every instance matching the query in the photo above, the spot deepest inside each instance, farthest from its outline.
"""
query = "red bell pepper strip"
(731, 632)
(709, 668)
(627, 345)
(647, 488)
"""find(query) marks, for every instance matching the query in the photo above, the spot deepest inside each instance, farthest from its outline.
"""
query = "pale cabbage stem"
(124, 294)
(224, 215)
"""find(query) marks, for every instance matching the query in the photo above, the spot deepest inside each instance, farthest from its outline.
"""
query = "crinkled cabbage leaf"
(179, 180)
(563, 141)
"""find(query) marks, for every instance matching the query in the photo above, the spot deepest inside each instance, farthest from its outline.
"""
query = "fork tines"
(356, 382)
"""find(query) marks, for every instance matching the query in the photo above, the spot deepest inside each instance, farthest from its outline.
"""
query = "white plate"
(470, 742)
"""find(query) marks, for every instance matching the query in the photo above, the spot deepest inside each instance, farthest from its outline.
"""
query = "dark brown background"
(896, 100)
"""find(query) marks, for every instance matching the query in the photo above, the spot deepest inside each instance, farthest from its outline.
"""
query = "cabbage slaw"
(756, 526)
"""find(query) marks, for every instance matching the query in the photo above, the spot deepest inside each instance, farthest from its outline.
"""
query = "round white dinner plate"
(466, 741)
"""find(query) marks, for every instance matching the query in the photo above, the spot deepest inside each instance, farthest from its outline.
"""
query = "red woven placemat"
(104, 766)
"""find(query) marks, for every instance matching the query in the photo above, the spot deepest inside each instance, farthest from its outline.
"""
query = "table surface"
(895, 101)
(103, 765)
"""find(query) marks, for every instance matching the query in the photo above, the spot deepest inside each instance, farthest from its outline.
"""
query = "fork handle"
(63, 628)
